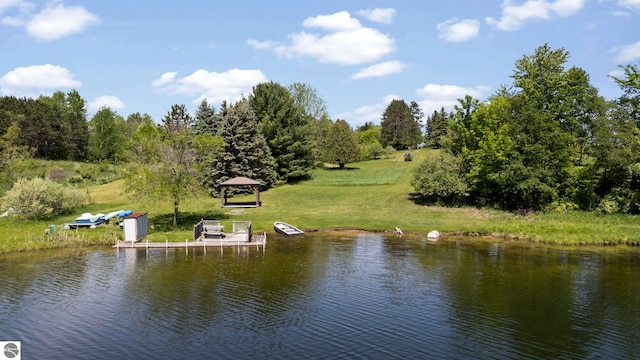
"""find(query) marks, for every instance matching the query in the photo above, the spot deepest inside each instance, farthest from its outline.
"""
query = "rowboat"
(286, 229)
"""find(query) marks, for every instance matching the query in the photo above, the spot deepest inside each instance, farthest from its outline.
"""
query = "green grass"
(371, 196)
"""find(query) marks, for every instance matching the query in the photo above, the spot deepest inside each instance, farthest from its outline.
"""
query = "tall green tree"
(553, 108)
(483, 141)
(168, 161)
(400, 125)
(71, 126)
(107, 139)
(245, 152)
(341, 145)
(307, 97)
(206, 119)
(286, 129)
(134, 120)
(630, 85)
(436, 127)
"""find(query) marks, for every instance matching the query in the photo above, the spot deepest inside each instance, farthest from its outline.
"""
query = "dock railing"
(242, 227)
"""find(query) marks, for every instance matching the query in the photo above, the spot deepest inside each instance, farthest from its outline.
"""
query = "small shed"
(135, 226)
(240, 181)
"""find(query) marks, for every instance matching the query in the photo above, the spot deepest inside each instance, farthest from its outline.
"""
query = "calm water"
(326, 296)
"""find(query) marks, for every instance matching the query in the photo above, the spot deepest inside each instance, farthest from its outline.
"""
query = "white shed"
(136, 226)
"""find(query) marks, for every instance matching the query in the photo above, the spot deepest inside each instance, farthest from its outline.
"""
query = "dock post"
(166, 244)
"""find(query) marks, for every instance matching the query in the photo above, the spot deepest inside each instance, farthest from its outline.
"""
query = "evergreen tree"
(245, 152)
(341, 145)
(206, 119)
(286, 129)
(400, 125)
(437, 124)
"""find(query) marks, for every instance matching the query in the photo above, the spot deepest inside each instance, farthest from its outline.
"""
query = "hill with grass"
(371, 195)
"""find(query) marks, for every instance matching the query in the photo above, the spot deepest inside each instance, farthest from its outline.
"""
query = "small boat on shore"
(286, 229)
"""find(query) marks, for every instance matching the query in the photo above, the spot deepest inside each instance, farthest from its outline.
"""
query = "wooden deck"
(230, 239)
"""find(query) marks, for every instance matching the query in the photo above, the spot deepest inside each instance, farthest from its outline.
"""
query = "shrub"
(40, 199)
(88, 172)
(440, 178)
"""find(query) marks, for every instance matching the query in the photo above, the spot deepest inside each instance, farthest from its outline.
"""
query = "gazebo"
(240, 181)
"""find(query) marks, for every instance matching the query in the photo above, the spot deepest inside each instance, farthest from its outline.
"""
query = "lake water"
(326, 296)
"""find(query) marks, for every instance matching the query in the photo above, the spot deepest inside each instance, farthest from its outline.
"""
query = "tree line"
(275, 135)
(547, 140)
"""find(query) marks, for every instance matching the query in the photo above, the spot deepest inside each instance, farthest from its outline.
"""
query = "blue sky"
(144, 56)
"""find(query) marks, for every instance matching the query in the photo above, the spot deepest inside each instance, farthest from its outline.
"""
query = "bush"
(88, 172)
(40, 199)
(440, 178)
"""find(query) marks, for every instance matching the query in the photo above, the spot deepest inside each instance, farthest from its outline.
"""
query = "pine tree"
(245, 153)
(206, 119)
(400, 125)
(286, 129)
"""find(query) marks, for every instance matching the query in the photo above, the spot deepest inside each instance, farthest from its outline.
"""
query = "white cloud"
(110, 101)
(24, 9)
(341, 40)
(363, 114)
(630, 4)
(458, 30)
(166, 78)
(8, 4)
(515, 16)
(628, 53)
(213, 86)
(621, 13)
(381, 15)
(379, 70)
(37, 77)
(58, 21)
(261, 45)
(340, 21)
(433, 97)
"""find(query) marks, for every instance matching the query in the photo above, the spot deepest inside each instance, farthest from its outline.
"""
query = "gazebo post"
(257, 190)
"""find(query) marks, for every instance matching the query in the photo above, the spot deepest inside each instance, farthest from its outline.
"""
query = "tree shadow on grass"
(336, 168)
(186, 220)
(422, 200)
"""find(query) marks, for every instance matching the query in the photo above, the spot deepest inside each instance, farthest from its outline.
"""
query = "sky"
(145, 56)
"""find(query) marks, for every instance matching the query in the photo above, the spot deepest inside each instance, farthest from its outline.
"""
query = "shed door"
(130, 230)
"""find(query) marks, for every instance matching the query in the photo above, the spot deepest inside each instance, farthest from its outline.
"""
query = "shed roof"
(240, 180)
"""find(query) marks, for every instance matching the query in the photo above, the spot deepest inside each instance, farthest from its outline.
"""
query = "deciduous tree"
(341, 145)
(107, 139)
(168, 161)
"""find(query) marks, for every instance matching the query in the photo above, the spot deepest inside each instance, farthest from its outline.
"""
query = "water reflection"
(325, 296)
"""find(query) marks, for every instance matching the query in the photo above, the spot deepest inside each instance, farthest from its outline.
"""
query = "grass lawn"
(371, 195)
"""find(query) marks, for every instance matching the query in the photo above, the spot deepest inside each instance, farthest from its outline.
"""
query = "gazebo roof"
(239, 181)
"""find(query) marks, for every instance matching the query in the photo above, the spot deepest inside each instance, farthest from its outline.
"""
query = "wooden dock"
(239, 240)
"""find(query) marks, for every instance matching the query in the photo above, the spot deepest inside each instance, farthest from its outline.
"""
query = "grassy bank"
(372, 196)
